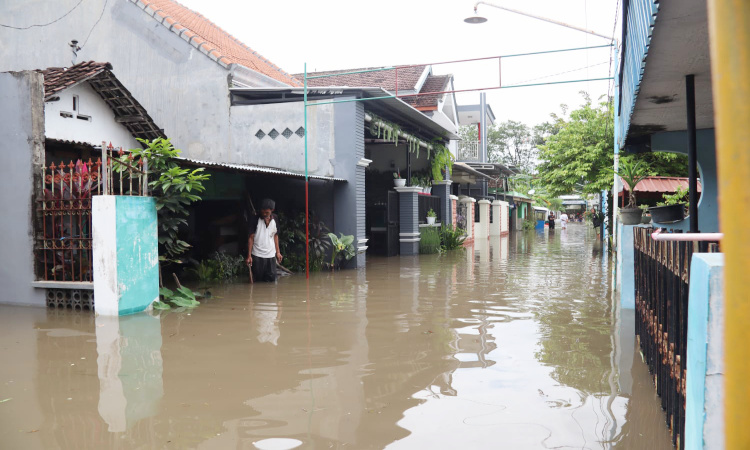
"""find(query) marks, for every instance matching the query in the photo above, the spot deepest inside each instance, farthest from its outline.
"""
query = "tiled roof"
(206, 36)
(660, 184)
(58, 78)
(99, 76)
(433, 83)
(386, 79)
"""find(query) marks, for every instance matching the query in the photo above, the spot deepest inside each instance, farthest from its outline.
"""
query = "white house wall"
(251, 127)
(100, 126)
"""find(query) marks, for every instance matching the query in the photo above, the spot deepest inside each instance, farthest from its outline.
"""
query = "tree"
(509, 142)
(579, 157)
(577, 153)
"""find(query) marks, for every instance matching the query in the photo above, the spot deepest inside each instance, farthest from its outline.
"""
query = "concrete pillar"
(454, 209)
(125, 253)
(626, 264)
(497, 218)
(704, 414)
(483, 226)
(468, 203)
(408, 220)
(442, 189)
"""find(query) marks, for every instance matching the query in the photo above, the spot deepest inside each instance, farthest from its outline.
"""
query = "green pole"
(307, 191)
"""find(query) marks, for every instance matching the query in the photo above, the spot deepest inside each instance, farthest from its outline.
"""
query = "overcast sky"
(344, 34)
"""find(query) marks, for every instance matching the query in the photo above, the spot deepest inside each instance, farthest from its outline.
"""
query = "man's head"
(266, 207)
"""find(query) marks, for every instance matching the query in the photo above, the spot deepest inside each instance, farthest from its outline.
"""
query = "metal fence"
(63, 250)
(428, 202)
(662, 279)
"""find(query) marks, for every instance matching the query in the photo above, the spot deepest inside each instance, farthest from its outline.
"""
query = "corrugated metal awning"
(663, 185)
(253, 168)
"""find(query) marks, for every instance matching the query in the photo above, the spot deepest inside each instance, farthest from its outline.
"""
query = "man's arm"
(250, 242)
(278, 251)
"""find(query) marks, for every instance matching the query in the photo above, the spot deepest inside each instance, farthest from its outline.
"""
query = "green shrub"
(528, 224)
(451, 238)
(429, 241)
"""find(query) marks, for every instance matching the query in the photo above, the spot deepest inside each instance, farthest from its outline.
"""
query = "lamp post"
(477, 19)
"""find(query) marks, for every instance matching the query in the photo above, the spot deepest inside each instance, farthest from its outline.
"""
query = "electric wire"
(559, 73)
(43, 24)
(104, 8)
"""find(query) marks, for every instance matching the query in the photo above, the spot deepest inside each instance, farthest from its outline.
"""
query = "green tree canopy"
(510, 143)
(578, 156)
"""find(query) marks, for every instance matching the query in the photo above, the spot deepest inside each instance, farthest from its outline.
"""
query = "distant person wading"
(263, 244)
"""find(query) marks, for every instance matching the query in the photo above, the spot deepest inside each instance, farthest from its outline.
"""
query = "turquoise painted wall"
(704, 425)
(137, 253)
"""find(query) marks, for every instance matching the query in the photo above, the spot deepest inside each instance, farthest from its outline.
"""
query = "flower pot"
(667, 214)
(399, 182)
(427, 190)
(630, 216)
(645, 219)
(431, 220)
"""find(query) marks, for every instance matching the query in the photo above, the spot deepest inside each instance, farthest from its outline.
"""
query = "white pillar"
(483, 227)
(125, 254)
(497, 217)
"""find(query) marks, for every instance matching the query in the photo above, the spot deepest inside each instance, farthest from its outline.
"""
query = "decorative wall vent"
(273, 134)
(76, 299)
(300, 132)
(287, 133)
(260, 134)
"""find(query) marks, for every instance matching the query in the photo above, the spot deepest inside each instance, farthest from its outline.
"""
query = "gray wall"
(349, 197)
(184, 91)
(21, 150)
(286, 153)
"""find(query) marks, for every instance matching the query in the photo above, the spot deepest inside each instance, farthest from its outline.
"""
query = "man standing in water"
(263, 244)
(564, 220)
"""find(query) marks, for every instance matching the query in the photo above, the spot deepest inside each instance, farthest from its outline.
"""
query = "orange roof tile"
(660, 184)
(210, 39)
(386, 79)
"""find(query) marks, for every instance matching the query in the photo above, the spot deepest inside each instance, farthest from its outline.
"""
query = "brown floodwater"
(513, 344)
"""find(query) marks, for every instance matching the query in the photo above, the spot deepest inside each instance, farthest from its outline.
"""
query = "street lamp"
(476, 18)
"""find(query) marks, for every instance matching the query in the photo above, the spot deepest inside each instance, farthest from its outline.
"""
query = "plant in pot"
(397, 180)
(672, 209)
(431, 216)
(631, 172)
(415, 181)
(646, 217)
(426, 185)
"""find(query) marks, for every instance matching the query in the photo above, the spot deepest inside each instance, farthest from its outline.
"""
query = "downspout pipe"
(692, 152)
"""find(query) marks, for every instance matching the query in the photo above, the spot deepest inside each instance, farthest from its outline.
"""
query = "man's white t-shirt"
(263, 245)
(564, 219)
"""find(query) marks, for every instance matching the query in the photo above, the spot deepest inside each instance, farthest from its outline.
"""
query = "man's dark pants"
(264, 269)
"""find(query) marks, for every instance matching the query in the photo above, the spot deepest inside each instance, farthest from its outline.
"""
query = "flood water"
(511, 344)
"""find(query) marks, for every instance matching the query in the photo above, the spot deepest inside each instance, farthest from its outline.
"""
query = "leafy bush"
(183, 298)
(221, 267)
(451, 238)
(292, 242)
(429, 241)
(681, 195)
(528, 224)
(342, 246)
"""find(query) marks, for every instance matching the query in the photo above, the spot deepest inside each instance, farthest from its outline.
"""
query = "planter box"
(631, 216)
(667, 214)
(399, 182)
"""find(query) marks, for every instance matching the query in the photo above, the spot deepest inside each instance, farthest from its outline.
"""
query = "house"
(679, 82)
(55, 122)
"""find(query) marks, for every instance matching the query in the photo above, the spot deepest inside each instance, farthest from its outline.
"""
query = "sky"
(348, 34)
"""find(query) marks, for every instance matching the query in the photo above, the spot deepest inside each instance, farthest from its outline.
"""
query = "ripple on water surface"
(511, 343)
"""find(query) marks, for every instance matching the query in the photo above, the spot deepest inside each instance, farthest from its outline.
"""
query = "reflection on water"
(513, 343)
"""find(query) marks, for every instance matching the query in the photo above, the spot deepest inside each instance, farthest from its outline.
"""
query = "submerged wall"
(126, 255)
(21, 157)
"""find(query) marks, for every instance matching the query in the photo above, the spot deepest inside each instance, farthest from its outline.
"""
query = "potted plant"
(397, 180)
(426, 185)
(631, 172)
(646, 217)
(431, 216)
(672, 209)
(416, 182)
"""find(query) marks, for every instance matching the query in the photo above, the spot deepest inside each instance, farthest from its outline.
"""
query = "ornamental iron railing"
(64, 228)
(662, 280)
